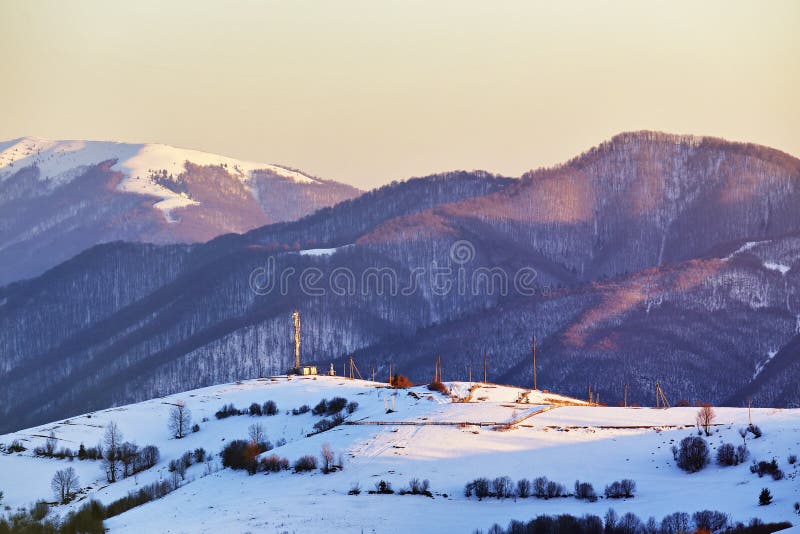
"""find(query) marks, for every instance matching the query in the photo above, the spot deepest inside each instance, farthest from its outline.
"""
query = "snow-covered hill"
(54, 192)
(427, 436)
(60, 161)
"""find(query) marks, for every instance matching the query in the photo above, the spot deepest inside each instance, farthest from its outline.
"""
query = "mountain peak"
(142, 192)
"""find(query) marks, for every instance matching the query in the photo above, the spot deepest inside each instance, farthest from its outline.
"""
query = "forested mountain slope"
(652, 257)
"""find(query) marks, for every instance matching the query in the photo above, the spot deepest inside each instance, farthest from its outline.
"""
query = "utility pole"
(373, 373)
(534, 363)
(484, 369)
(589, 391)
(469, 368)
(660, 396)
(749, 419)
(625, 396)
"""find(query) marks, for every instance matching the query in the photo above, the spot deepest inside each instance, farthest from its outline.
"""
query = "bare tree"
(256, 433)
(327, 458)
(64, 484)
(705, 417)
(180, 420)
(50, 444)
(127, 456)
(112, 439)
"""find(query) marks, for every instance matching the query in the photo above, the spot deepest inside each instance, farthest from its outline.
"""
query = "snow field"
(427, 437)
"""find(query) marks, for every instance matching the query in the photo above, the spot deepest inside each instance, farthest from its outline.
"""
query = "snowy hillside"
(480, 431)
(73, 194)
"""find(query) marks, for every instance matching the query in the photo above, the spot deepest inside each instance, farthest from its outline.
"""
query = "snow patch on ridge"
(760, 366)
(783, 269)
(744, 248)
(322, 251)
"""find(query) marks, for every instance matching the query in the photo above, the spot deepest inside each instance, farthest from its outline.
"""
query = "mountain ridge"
(673, 268)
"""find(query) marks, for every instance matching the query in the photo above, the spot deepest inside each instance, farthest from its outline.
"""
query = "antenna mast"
(296, 318)
(534, 362)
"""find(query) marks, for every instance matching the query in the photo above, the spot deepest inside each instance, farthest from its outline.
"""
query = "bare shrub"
(321, 408)
(710, 520)
(676, 523)
(693, 454)
(50, 444)
(415, 487)
(622, 489)
(727, 454)
(540, 487)
(326, 424)
(305, 463)
(523, 488)
(400, 381)
(336, 405)
(270, 408)
(301, 410)
(585, 491)
(554, 489)
(503, 487)
(767, 468)
(255, 409)
(479, 487)
(274, 464)
(383, 487)
(241, 454)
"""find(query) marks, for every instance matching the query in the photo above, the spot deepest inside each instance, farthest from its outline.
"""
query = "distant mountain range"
(650, 258)
(58, 198)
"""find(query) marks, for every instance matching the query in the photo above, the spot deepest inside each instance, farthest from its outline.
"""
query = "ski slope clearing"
(478, 431)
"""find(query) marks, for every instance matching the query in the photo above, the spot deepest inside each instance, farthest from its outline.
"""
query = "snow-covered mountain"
(60, 197)
(479, 430)
(658, 258)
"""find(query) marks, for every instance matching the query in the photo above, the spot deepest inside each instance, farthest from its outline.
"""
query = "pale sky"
(372, 91)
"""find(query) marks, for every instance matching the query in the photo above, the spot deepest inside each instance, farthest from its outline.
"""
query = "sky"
(373, 91)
